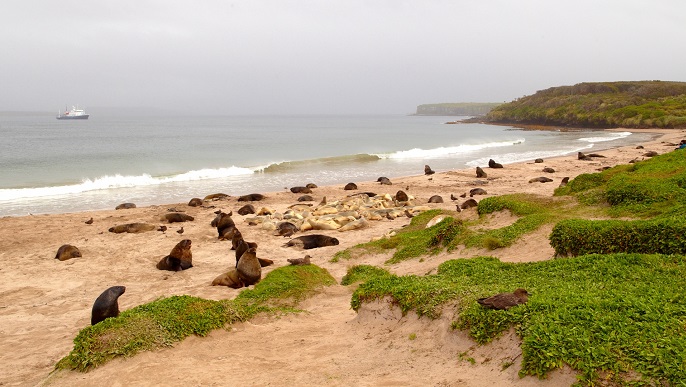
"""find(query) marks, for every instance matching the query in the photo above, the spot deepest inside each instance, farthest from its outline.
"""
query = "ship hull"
(83, 117)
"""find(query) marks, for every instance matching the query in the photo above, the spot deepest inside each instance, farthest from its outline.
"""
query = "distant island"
(455, 109)
(640, 104)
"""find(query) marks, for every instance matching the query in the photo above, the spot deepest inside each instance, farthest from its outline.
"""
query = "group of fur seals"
(180, 258)
(312, 241)
(505, 301)
(66, 252)
(107, 305)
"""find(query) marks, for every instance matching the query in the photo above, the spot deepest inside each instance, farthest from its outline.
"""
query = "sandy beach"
(45, 302)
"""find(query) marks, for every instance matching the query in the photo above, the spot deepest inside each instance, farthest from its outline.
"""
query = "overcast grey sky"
(325, 57)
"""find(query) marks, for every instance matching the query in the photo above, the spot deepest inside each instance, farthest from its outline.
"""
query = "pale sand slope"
(44, 303)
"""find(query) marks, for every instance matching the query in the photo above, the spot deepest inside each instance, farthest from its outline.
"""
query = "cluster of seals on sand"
(505, 301)
(66, 252)
(180, 257)
(133, 228)
(107, 305)
(248, 269)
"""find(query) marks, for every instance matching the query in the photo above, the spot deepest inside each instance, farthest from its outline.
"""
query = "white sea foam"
(120, 181)
(509, 158)
(610, 136)
(417, 153)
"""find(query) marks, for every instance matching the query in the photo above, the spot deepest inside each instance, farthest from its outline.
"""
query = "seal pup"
(383, 180)
(477, 191)
(306, 198)
(249, 268)
(230, 279)
(285, 229)
(125, 206)
(401, 196)
(548, 170)
(312, 241)
(301, 190)
(504, 301)
(176, 217)
(493, 164)
(299, 261)
(246, 210)
(350, 187)
(106, 305)
(436, 199)
(180, 258)
(255, 197)
(133, 228)
(195, 202)
(428, 170)
(67, 252)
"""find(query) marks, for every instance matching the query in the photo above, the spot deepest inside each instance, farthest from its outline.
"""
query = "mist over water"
(51, 166)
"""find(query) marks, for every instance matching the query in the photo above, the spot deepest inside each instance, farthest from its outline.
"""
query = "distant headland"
(455, 109)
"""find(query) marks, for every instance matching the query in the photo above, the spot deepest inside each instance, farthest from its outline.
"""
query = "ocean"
(58, 166)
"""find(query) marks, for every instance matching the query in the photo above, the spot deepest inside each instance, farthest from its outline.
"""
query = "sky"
(324, 57)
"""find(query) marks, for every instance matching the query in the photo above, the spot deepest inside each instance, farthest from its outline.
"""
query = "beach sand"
(45, 302)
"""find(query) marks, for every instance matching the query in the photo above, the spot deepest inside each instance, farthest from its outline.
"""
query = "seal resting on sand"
(477, 191)
(248, 268)
(541, 179)
(286, 229)
(493, 164)
(312, 241)
(125, 206)
(350, 187)
(133, 228)
(180, 257)
(106, 304)
(300, 261)
(246, 210)
(302, 190)
(216, 196)
(401, 196)
(230, 279)
(255, 197)
(176, 217)
(505, 301)
(383, 180)
(67, 252)
(436, 199)
(195, 202)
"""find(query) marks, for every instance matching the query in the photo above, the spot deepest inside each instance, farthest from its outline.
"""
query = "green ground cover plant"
(611, 314)
(165, 321)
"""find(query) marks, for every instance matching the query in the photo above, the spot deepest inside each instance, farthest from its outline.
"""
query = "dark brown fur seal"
(384, 181)
(306, 198)
(176, 217)
(67, 252)
(541, 179)
(255, 197)
(125, 206)
(428, 170)
(477, 191)
(180, 257)
(505, 301)
(312, 241)
(300, 261)
(286, 229)
(548, 170)
(480, 173)
(493, 164)
(564, 181)
(106, 305)
(249, 269)
(538, 161)
(241, 247)
(237, 237)
(350, 187)
(195, 202)
(436, 199)
(401, 196)
(311, 185)
(133, 228)
(469, 204)
(302, 190)
(225, 225)
(246, 210)
(230, 279)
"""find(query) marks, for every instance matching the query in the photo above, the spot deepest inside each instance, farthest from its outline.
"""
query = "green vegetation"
(610, 313)
(455, 109)
(166, 321)
(642, 104)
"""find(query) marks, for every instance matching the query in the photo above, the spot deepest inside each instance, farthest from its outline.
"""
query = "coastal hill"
(455, 109)
(640, 104)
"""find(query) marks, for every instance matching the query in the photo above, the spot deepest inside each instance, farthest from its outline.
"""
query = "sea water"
(56, 166)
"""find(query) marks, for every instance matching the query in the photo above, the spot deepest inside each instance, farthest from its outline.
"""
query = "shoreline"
(45, 302)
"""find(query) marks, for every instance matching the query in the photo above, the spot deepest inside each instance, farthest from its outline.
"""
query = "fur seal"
(541, 179)
(302, 190)
(548, 170)
(306, 198)
(477, 191)
(401, 196)
(505, 301)
(480, 173)
(428, 170)
(225, 225)
(176, 217)
(311, 185)
(312, 241)
(248, 268)
(133, 228)
(67, 252)
(125, 206)
(436, 199)
(647, 154)
(286, 229)
(468, 204)
(195, 202)
(493, 164)
(242, 246)
(246, 210)
(350, 187)
(384, 181)
(300, 261)
(230, 279)
(237, 237)
(216, 196)
(106, 304)
(564, 181)
(538, 161)
(180, 258)
(255, 197)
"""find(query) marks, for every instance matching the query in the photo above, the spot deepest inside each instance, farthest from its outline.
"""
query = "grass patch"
(597, 313)
(163, 322)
